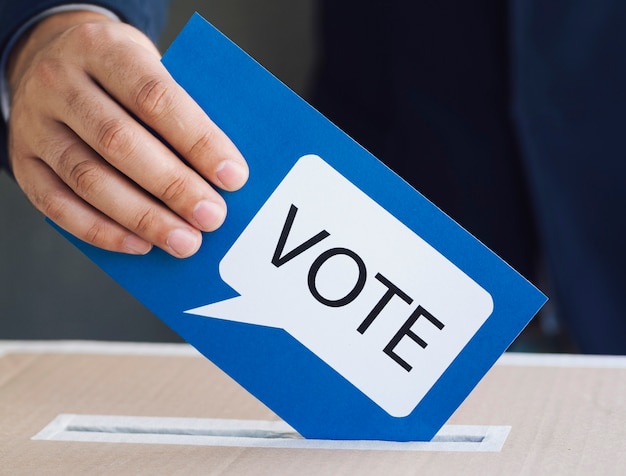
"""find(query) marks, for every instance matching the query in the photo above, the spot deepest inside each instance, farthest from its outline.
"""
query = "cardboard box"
(543, 414)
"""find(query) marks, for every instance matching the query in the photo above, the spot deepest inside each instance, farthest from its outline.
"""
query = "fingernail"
(209, 215)
(183, 242)
(231, 174)
(136, 245)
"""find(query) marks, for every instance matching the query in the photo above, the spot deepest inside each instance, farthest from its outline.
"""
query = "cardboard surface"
(566, 416)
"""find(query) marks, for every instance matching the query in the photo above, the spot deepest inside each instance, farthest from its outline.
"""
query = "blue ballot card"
(334, 292)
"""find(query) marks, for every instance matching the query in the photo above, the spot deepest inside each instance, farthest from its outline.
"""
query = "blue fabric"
(148, 15)
(569, 62)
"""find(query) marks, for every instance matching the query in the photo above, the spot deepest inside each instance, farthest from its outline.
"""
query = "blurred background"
(49, 290)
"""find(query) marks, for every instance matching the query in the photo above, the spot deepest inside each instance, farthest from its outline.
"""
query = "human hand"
(76, 81)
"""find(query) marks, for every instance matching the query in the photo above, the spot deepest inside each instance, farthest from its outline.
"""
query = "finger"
(147, 89)
(110, 192)
(57, 201)
(130, 148)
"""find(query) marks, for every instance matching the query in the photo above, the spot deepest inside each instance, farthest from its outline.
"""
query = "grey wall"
(48, 289)
(277, 33)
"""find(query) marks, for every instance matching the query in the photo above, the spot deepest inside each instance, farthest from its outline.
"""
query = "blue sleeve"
(147, 15)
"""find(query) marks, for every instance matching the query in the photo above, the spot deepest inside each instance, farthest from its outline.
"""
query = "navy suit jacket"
(148, 15)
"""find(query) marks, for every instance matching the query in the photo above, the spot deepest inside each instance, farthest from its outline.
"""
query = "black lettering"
(356, 290)
(405, 330)
(277, 259)
(392, 290)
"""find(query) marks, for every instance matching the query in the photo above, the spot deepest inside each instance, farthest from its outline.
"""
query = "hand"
(77, 81)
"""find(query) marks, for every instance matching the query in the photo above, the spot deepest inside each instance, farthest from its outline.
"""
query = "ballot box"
(126, 408)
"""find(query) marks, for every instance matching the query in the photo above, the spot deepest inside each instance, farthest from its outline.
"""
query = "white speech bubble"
(361, 261)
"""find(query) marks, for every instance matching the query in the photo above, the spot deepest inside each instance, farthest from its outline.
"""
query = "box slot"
(250, 433)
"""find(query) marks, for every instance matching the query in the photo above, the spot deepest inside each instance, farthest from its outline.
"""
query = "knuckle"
(145, 221)
(46, 74)
(46, 71)
(92, 35)
(47, 80)
(85, 177)
(114, 139)
(175, 189)
(203, 146)
(154, 98)
(96, 234)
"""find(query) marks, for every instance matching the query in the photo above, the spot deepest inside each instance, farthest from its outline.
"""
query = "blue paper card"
(334, 292)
